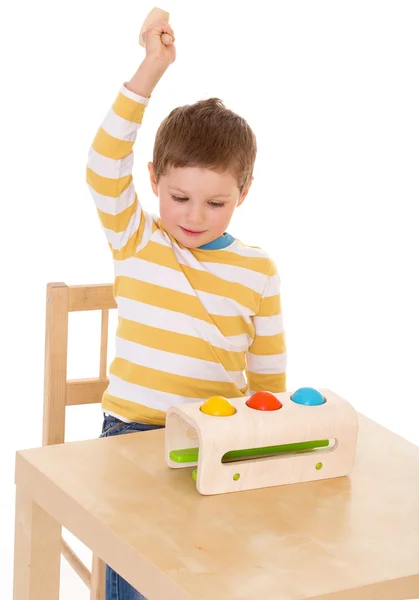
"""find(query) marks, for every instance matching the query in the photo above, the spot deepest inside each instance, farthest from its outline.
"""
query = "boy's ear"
(245, 192)
(153, 179)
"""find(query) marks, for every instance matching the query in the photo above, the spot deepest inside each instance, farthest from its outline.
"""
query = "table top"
(300, 541)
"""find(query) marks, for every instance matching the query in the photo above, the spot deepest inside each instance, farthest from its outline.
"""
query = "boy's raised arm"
(266, 357)
(110, 159)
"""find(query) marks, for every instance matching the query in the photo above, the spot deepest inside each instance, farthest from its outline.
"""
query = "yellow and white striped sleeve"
(109, 174)
(266, 358)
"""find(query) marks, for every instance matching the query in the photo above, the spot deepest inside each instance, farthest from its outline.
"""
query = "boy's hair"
(206, 134)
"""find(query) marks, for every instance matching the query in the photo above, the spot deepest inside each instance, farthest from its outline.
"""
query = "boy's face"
(196, 204)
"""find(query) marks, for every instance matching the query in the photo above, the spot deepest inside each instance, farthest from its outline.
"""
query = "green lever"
(188, 455)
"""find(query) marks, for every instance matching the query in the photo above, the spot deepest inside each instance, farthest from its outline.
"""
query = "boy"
(199, 311)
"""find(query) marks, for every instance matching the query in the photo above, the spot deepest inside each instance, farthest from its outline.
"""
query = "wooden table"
(351, 538)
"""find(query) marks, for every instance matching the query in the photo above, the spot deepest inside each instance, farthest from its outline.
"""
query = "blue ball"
(308, 396)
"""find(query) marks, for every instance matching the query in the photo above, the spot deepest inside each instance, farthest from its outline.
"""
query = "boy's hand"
(154, 47)
(158, 58)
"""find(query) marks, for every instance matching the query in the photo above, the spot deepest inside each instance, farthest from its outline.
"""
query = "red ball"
(264, 401)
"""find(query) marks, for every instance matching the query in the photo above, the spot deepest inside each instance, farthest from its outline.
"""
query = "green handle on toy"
(188, 455)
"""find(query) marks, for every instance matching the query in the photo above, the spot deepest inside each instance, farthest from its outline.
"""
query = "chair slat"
(91, 297)
(74, 561)
(85, 391)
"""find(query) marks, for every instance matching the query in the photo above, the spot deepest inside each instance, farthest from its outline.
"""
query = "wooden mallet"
(155, 15)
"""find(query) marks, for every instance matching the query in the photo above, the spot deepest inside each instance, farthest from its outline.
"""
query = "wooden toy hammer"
(155, 15)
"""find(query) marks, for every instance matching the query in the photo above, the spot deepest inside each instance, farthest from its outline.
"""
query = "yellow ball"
(218, 406)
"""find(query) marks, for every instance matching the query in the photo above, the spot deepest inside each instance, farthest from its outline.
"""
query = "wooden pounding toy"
(156, 14)
(262, 440)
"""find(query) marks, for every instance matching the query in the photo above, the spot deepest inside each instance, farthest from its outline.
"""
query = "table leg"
(37, 552)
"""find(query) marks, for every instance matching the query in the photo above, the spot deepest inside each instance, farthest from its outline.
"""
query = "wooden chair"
(59, 392)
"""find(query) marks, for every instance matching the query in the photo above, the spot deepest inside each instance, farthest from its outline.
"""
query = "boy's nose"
(196, 215)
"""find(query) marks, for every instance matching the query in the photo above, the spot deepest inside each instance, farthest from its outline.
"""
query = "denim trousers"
(116, 587)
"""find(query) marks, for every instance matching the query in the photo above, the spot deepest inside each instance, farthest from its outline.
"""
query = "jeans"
(116, 587)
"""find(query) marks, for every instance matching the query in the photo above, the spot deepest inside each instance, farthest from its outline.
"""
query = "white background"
(331, 91)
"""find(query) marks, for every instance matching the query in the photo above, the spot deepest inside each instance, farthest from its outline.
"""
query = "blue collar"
(219, 243)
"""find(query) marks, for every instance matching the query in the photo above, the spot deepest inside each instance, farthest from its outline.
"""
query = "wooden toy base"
(259, 448)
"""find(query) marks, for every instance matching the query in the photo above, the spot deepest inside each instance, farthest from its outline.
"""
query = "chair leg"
(97, 586)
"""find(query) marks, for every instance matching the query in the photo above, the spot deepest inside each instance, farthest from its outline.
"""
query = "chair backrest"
(60, 392)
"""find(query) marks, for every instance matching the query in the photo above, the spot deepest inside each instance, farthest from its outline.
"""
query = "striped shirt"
(192, 323)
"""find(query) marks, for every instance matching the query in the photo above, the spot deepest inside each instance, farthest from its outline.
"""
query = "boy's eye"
(185, 199)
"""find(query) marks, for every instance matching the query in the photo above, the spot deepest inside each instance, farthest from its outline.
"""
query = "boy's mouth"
(191, 232)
